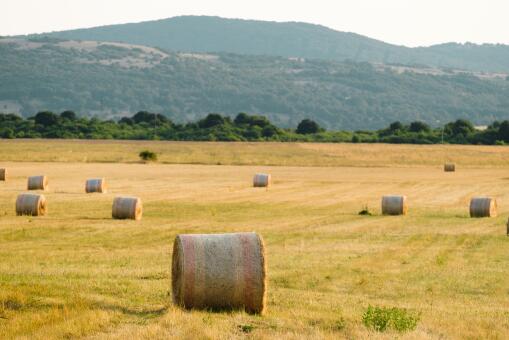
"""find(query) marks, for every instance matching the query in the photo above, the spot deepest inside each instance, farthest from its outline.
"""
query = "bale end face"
(37, 183)
(261, 180)
(394, 205)
(31, 205)
(483, 207)
(3, 174)
(96, 185)
(449, 167)
(219, 271)
(127, 208)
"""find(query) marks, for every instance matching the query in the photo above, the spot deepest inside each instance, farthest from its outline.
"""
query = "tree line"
(244, 127)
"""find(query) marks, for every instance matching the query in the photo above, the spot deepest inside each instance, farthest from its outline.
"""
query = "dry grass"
(284, 154)
(78, 273)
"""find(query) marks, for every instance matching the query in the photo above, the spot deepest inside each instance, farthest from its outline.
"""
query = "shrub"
(381, 318)
(46, 118)
(365, 211)
(148, 156)
(307, 126)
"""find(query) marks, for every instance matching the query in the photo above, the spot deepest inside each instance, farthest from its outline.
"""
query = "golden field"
(78, 273)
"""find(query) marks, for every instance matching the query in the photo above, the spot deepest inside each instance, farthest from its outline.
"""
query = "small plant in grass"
(247, 328)
(365, 211)
(148, 156)
(381, 318)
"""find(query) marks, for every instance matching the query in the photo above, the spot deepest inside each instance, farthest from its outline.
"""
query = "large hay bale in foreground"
(483, 207)
(96, 185)
(3, 174)
(37, 183)
(394, 205)
(261, 180)
(127, 208)
(31, 204)
(219, 271)
(449, 167)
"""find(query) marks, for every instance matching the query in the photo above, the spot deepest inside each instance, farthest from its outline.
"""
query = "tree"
(460, 127)
(46, 118)
(241, 119)
(147, 117)
(68, 115)
(126, 120)
(213, 119)
(269, 131)
(396, 126)
(307, 126)
(419, 127)
(503, 131)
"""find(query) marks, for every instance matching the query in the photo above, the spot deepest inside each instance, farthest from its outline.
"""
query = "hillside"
(112, 80)
(291, 39)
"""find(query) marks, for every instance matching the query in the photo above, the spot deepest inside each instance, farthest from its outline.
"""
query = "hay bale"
(261, 180)
(394, 205)
(483, 207)
(37, 183)
(96, 185)
(127, 208)
(449, 167)
(3, 174)
(219, 271)
(31, 204)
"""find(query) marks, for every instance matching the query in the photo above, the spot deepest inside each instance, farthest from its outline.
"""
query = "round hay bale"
(96, 185)
(261, 180)
(449, 167)
(31, 204)
(3, 174)
(37, 183)
(483, 207)
(219, 271)
(394, 205)
(127, 208)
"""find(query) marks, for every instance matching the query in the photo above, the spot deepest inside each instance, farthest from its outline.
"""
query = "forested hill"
(292, 39)
(111, 80)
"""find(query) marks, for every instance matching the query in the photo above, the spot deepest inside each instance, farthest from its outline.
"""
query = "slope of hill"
(112, 79)
(291, 39)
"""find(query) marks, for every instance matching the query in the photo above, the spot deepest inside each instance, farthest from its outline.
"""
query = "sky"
(403, 22)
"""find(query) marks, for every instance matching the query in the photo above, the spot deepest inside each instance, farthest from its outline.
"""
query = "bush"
(148, 156)
(307, 126)
(365, 211)
(381, 318)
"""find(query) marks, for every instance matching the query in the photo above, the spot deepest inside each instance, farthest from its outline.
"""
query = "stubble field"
(78, 273)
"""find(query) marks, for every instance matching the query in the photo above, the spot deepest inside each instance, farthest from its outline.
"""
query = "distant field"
(229, 153)
(78, 273)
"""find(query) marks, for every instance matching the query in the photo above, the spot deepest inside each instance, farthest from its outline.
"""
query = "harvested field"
(79, 273)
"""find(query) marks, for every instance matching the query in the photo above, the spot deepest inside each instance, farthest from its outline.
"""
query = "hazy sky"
(405, 22)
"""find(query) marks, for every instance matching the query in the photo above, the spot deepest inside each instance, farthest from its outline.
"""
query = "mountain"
(115, 79)
(290, 39)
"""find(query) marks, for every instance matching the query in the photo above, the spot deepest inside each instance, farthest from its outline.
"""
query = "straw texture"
(37, 183)
(3, 174)
(483, 207)
(31, 204)
(261, 180)
(449, 167)
(394, 205)
(219, 271)
(127, 208)
(96, 185)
